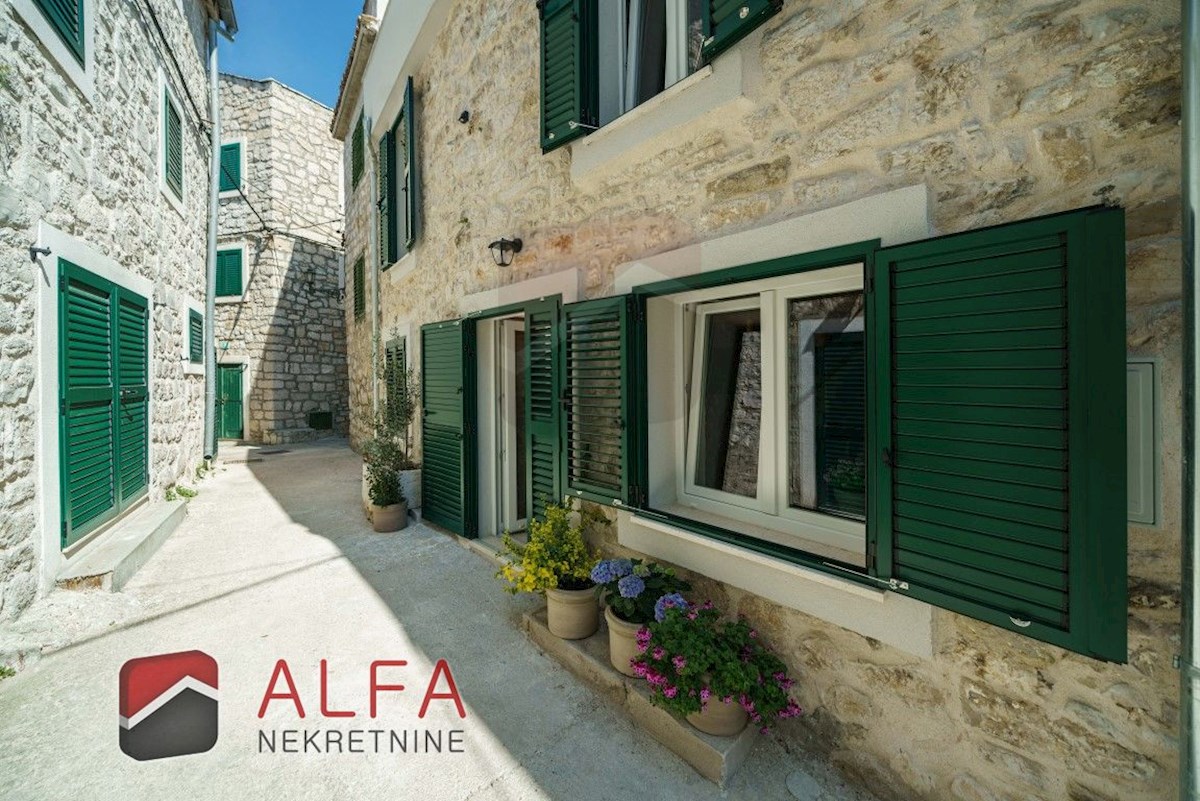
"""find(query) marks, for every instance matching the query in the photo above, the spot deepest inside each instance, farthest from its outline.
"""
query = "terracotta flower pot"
(389, 518)
(719, 718)
(622, 641)
(572, 614)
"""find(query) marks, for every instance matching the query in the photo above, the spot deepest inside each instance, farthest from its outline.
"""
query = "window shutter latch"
(1019, 623)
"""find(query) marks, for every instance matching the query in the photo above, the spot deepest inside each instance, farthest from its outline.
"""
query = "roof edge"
(356, 63)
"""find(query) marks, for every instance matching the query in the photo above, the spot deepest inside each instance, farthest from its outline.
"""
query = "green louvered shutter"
(726, 22)
(133, 397)
(543, 458)
(597, 398)
(841, 418)
(395, 363)
(357, 156)
(1001, 359)
(195, 336)
(231, 167)
(229, 272)
(386, 202)
(447, 426)
(172, 146)
(411, 184)
(570, 78)
(360, 288)
(87, 381)
(66, 17)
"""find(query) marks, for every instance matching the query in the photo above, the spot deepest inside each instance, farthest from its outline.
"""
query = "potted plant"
(630, 588)
(715, 672)
(846, 483)
(386, 458)
(556, 561)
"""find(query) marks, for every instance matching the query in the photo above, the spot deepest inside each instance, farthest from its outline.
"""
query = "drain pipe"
(1189, 696)
(210, 270)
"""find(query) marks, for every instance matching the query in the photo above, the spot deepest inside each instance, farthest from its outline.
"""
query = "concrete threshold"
(714, 758)
(110, 561)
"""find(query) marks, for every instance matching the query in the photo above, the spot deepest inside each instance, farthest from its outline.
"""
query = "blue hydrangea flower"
(672, 601)
(610, 570)
(631, 586)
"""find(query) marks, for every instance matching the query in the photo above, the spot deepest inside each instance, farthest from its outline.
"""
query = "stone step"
(112, 559)
(714, 758)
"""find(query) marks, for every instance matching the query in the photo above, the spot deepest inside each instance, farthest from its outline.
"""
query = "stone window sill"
(224, 300)
(400, 269)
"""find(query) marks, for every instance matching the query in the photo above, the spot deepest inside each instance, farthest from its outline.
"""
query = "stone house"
(104, 197)
(279, 332)
(866, 315)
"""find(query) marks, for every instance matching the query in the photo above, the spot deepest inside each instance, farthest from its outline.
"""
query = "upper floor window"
(399, 188)
(65, 29)
(195, 337)
(356, 152)
(231, 167)
(172, 145)
(230, 273)
(67, 19)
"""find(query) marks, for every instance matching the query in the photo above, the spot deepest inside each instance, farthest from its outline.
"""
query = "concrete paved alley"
(275, 561)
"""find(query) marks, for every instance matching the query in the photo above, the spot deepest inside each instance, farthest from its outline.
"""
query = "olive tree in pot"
(387, 461)
(391, 443)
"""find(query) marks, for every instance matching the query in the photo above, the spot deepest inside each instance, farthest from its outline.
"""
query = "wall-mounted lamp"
(503, 250)
(465, 117)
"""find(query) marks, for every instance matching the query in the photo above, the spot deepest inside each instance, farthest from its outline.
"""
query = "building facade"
(279, 332)
(104, 193)
(867, 316)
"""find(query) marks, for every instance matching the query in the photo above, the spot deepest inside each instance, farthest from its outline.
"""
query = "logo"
(168, 705)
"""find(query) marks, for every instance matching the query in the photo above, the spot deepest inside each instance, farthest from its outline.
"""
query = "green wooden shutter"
(448, 492)
(412, 185)
(195, 336)
(66, 17)
(543, 455)
(172, 146)
(229, 272)
(395, 363)
(841, 417)
(726, 22)
(386, 202)
(360, 288)
(598, 399)
(1000, 409)
(133, 397)
(570, 77)
(231, 167)
(357, 160)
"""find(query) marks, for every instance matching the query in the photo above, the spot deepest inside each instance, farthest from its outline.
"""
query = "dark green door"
(229, 401)
(103, 399)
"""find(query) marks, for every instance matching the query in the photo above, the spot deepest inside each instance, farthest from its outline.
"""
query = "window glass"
(826, 382)
(730, 410)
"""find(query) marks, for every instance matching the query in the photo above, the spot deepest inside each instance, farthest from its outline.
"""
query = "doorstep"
(112, 559)
(714, 758)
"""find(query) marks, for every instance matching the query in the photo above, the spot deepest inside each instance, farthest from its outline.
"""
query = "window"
(599, 60)
(398, 189)
(67, 19)
(231, 167)
(230, 281)
(395, 374)
(360, 297)
(172, 127)
(356, 152)
(195, 337)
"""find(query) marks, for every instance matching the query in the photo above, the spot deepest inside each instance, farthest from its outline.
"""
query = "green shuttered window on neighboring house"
(231, 167)
(448, 491)
(357, 160)
(172, 145)
(195, 336)
(360, 288)
(66, 17)
(230, 273)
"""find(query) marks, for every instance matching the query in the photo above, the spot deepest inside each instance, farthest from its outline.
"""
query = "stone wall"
(91, 169)
(1003, 111)
(287, 328)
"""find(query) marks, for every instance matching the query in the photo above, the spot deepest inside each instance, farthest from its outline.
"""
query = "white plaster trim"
(164, 90)
(901, 215)
(245, 248)
(82, 75)
(564, 282)
(234, 193)
(46, 345)
(899, 621)
(185, 355)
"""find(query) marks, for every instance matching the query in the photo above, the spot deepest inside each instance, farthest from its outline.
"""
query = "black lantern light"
(503, 250)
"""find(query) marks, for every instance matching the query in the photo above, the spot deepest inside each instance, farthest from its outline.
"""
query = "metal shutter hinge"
(1019, 623)
(744, 12)
(896, 584)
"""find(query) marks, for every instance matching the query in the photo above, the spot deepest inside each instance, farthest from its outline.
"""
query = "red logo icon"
(168, 705)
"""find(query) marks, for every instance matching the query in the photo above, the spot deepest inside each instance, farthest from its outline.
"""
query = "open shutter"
(726, 22)
(172, 146)
(543, 459)
(66, 16)
(570, 84)
(1001, 358)
(448, 426)
(386, 202)
(133, 397)
(412, 186)
(597, 399)
(231, 167)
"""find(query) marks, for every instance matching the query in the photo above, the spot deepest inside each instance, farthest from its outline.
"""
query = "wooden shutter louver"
(570, 86)
(66, 17)
(395, 375)
(386, 199)
(412, 184)
(357, 156)
(231, 167)
(229, 272)
(360, 290)
(195, 336)
(172, 147)
(542, 406)
(447, 427)
(1003, 478)
(133, 395)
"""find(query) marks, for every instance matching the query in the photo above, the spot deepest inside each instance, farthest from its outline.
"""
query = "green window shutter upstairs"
(229, 272)
(412, 187)
(597, 397)
(172, 147)
(447, 426)
(195, 336)
(360, 289)
(727, 22)
(66, 17)
(356, 153)
(386, 199)
(543, 371)
(570, 77)
(1000, 412)
(231, 167)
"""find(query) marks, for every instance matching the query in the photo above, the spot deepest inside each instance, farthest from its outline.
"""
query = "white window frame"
(245, 249)
(82, 75)
(232, 193)
(620, 57)
(165, 92)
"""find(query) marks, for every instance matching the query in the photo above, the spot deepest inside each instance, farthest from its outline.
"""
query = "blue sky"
(302, 43)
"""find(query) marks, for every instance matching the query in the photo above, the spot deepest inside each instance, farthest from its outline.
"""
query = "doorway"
(503, 470)
(229, 401)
